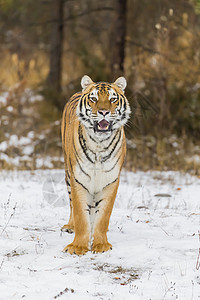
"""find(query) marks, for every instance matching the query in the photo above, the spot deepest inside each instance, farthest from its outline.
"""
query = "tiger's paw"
(99, 248)
(67, 228)
(74, 249)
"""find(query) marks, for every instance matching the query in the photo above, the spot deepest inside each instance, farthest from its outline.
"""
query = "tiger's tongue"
(103, 124)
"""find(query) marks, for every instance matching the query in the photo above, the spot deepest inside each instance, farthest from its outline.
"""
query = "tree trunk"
(56, 43)
(118, 35)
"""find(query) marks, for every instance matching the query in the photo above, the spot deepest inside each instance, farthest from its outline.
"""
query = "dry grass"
(172, 153)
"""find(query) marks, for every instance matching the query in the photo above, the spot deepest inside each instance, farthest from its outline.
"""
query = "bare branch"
(11, 216)
(87, 12)
(153, 51)
(84, 13)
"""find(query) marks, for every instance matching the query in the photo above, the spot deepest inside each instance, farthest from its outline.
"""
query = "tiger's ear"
(121, 83)
(86, 81)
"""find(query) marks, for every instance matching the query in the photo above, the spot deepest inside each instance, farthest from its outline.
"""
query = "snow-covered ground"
(153, 229)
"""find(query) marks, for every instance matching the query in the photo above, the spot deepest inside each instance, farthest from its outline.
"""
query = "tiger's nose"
(103, 112)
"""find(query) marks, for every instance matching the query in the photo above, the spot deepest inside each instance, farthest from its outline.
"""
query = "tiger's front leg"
(100, 241)
(81, 221)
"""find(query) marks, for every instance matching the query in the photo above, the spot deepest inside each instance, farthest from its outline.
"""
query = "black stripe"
(67, 182)
(125, 105)
(77, 159)
(75, 98)
(111, 141)
(107, 137)
(84, 102)
(92, 139)
(83, 118)
(116, 153)
(81, 104)
(88, 109)
(123, 97)
(123, 116)
(81, 185)
(113, 149)
(81, 167)
(82, 143)
(67, 173)
(97, 203)
(110, 183)
(114, 165)
(76, 152)
(120, 103)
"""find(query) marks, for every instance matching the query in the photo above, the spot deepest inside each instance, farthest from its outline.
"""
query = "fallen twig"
(14, 208)
(1, 264)
(63, 292)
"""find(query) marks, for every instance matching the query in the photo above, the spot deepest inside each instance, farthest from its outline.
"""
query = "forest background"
(48, 45)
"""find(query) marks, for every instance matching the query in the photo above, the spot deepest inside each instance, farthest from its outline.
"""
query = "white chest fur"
(99, 165)
(99, 175)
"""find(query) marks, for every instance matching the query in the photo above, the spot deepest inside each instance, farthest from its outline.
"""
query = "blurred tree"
(56, 46)
(117, 39)
(154, 44)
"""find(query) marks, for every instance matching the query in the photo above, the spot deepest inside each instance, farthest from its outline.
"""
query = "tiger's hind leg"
(80, 198)
(104, 210)
(69, 227)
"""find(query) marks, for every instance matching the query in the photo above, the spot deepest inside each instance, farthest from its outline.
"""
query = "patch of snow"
(25, 158)
(3, 98)
(175, 144)
(131, 144)
(155, 240)
(13, 141)
(44, 162)
(57, 123)
(32, 97)
(28, 150)
(193, 159)
(3, 146)
(15, 161)
(24, 140)
(4, 157)
(10, 108)
(31, 134)
(35, 98)
(41, 136)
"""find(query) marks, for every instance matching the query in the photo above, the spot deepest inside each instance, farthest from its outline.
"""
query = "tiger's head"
(103, 107)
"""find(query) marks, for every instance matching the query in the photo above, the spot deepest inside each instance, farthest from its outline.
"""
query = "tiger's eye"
(93, 99)
(113, 99)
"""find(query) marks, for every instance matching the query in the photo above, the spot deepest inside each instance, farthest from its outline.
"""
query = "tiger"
(94, 147)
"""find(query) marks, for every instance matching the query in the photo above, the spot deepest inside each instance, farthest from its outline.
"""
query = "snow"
(153, 229)
(28, 150)
(3, 98)
(3, 146)
(193, 159)
(13, 140)
(10, 108)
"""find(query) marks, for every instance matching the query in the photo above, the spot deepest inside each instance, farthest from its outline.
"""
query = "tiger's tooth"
(105, 128)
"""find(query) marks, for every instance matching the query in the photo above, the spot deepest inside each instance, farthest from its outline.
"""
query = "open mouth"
(102, 126)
